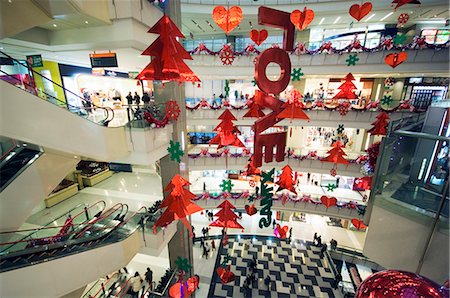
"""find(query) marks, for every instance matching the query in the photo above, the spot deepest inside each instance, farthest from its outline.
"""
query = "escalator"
(79, 233)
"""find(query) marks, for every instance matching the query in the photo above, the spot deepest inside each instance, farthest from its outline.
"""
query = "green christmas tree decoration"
(226, 185)
(175, 152)
(352, 59)
(297, 74)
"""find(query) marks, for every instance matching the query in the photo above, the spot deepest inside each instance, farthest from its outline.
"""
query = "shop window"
(435, 36)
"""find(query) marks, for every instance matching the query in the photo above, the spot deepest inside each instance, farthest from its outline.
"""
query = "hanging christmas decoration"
(177, 204)
(251, 210)
(389, 82)
(347, 89)
(399, 3)
(395, 59)
(340, 129)
(175, 151)
(259, 37)
(227, 88)
(286, 180)
(252, 183)
(297, 74)
(172, 110)
(266, 199)
(402, 19)
(399, 39)
(380, 125)
(328, 202)
(333, 171)
(358, 12)
(358, 224)
(293, 108)
(227, 132)
(254, 82)
(255, 111)
(331, 187)
(229, 19)
(386, 100)
(344, 108)
(167, 64)
(226, 218)
(251, 169)
(281, 232)
(183, 264)
(336, 155)
(226, 185)
(226, 55)
(301, 19)
(352, 59)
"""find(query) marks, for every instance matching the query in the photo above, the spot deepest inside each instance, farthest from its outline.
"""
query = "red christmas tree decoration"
(226, 217)
(255, 111)
(178, 204)
(380, 125)
(251, 169)
(347, 89)
(285, 180)
(293, 108)
(226, 132)
(336, 154)
(168, 53)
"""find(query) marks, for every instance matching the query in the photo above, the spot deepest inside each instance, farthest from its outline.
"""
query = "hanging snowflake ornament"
(340, 129)
(399, 39)
(386, 100)
(183, 264)
(402, 19)
(362, 210)
(352, 59)
(251, 198)
(331, 187)
(172, 110)
(389, 82)
(333, 172)
(226, 259)
(297, 74)
(175, 151)
(226, 185)
(226, 55)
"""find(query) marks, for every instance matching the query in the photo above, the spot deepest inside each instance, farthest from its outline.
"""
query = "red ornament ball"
(333, 172)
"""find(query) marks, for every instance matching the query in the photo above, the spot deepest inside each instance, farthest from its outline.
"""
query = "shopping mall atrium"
(224, 148)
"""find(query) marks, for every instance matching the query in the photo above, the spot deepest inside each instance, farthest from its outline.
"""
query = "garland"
(386, 43)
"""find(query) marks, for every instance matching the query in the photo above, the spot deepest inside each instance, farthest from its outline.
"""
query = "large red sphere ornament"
(396, 283)
(172, 110)
(279, 57)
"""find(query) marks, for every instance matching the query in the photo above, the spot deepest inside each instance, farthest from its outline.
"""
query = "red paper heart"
(328, 202)
(395, 59)
(225, 274)
(227, 19)
(259, 36)
(300, 19)
(251, 210)
(358, 12)
(281, 232)
(359, 224)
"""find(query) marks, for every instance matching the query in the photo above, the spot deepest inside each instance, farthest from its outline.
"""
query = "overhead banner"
(35, 61)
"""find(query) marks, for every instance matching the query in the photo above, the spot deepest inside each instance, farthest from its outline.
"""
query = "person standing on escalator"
(135, 285)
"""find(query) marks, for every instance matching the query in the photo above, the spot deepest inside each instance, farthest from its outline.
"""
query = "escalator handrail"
(65, 104)
(103, 216)
(98, 202)
(9, 150)
(131, 216)
(104, 284)
(124, 288)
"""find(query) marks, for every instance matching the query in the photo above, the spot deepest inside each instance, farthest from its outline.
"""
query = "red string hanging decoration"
(226, 132)
(347, 89)
(168, 53)
(380, 125)
(178, 204)
(226, 217)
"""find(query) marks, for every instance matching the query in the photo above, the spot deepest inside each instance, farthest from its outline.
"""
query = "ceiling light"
(86, 22)
(337, 19)
(368, 19)
(386, 16)
(54, 25)
(321, 21)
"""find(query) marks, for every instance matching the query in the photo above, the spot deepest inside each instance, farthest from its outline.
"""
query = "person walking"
(137, 99)
(149, 277)
(213, 245)
(290, 233)
(274, 224)
(315, 238)
(323, 250)
(206, 250)
(319, 241)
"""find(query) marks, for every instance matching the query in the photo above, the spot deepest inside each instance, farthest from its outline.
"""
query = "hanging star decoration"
(399, 39)
(175, 151)
(254, 82)
(226, 259)
(183, 264)
(352, 59)
(362, 210)
(386, 100)
(331, 187)
(297, 74)
(340, 129)
(226, 185)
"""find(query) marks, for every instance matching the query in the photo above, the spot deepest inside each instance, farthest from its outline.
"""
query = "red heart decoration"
(359, 224)
(225, 274)
(300, 19)
(259, 36)
(395, 59)
(281, 232)
(328, 202)
(251, 210)
(358, 12)
(227, 19)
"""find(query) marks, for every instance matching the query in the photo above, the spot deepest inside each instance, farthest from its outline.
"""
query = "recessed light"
(86, 22)
(321, 21)
(54, 25)
(337, 19)
(370, 17)
(386, 16)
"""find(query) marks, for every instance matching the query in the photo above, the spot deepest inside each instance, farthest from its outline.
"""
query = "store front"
(424, 91)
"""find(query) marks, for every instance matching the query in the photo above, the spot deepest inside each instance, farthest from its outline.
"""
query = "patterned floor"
(296, 269)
